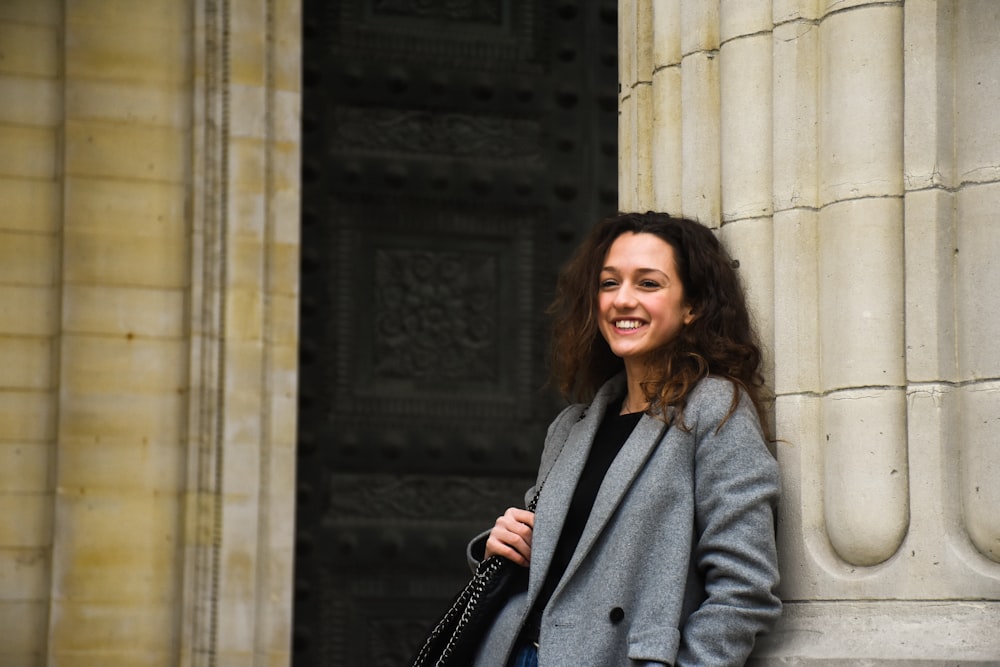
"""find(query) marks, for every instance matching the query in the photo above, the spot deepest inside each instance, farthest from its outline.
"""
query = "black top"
(611, 435)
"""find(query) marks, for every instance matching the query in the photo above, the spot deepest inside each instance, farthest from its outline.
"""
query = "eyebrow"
(640, 270)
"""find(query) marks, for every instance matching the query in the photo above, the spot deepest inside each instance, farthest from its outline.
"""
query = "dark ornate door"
(453, 152)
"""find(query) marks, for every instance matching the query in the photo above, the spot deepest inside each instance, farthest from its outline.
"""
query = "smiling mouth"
(627, 324)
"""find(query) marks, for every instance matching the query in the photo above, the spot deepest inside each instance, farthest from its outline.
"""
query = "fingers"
(510, 536)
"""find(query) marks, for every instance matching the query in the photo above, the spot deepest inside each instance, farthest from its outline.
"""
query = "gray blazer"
(677, 564)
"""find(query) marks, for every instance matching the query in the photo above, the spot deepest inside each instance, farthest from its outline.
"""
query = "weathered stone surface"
(115, 227)
(878, 222)
(843, 634)
(747, 111)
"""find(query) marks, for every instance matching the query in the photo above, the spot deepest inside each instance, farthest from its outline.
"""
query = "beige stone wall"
(847, 153)
(30, 253)
(148, 330)
(119, 460)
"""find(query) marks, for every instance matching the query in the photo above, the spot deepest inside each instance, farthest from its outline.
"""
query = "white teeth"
(628, 324)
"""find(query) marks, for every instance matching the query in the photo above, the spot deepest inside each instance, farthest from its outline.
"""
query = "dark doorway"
(453, 152)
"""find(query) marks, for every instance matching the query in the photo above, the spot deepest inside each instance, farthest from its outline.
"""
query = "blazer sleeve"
(736, 492)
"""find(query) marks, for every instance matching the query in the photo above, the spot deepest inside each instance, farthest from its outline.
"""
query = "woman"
(653, 538)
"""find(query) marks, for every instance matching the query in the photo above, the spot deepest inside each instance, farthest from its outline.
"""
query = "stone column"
(149, 235)
(120, 359)
(848, 157)
(30, 210)
(243, 335)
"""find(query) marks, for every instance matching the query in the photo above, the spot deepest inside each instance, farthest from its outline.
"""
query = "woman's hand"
(510, 536)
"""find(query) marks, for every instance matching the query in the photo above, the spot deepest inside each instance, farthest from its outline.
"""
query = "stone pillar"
(120, 352)
(847, 154)
(148, 331)
(30, 210)
(243, 334)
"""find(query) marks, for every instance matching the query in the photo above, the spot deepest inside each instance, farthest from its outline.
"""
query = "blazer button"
(617, 615)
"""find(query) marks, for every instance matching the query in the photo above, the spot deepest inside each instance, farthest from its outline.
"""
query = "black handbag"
(456, 637)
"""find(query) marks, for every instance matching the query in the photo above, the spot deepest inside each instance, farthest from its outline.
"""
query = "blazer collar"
(558, 488)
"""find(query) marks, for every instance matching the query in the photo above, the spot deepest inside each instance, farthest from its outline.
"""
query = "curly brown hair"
(720, 341)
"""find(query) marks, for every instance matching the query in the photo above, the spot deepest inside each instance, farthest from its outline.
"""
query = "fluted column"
(120, 363)
(975, 181)
(30, 248)
(745, 118)
(847, 155)
(148, 331)
(861, 281)
(242, 335)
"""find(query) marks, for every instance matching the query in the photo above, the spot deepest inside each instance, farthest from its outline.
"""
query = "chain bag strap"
(455, 639)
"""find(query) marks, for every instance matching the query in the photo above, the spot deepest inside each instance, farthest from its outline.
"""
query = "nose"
(625, 297)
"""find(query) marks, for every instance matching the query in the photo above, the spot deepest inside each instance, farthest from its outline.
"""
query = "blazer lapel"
(560, 483)
(633, 455)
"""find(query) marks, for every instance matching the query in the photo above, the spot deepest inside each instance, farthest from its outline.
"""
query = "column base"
(933, 633)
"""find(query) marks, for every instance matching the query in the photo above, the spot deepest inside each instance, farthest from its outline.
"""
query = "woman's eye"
(608, 283)
(649, 284)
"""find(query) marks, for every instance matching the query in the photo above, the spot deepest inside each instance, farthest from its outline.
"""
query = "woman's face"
(640, 300)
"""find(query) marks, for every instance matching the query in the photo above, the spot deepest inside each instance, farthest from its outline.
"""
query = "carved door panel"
(453, 152)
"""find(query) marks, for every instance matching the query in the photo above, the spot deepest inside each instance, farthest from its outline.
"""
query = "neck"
(635, 398)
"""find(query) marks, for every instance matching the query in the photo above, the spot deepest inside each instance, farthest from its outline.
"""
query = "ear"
(689, 315)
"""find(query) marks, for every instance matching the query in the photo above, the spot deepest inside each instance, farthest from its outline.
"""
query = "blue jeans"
(525, 655)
